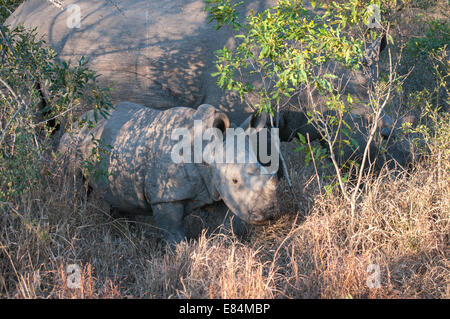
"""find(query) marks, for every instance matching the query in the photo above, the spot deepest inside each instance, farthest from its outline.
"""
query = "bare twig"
(314, 162)
(56, 116)
(319, 122)
(22, 106)
(372, 133)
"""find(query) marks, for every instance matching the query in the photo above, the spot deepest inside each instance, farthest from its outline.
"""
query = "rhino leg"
(169, 218)
(233, 224)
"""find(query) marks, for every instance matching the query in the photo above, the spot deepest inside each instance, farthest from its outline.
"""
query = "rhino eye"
(235, 181)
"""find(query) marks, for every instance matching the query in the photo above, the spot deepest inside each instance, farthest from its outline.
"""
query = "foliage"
(418, 59)
(285, 44)
(95, 166)
(7, 7)
(36, 90)
(434, 124)
(312, 152)
(223, 12)
(294, 51)
(437, 36)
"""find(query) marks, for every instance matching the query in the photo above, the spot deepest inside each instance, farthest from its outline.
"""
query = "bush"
(419, 56)
(38, 93)
(7, 7)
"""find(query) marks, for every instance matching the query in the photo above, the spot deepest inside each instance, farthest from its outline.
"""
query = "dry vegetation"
(402, 226)
(317, 250)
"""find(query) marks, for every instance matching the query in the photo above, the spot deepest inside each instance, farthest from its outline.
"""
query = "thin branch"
(6, 8)
(372, 133)
(9, 123)
(22, 106)
(314, 162)
(56, 116)
(329, 142)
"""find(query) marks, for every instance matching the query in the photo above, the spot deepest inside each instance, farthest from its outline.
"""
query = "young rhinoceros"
(144, 178)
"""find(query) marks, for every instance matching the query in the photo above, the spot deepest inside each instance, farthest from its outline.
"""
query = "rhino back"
(156, 53)
(141, 156)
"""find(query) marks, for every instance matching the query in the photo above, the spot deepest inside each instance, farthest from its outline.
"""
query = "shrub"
(36, 90)
(419, 56)
(7, 7)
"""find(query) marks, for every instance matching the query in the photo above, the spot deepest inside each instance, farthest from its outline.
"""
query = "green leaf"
(302, 138)
(349, 99)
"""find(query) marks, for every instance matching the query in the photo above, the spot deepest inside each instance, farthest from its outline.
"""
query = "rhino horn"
(255, 121)
(211, 117)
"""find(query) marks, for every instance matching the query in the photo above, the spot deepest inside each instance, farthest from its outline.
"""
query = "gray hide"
(161, 53)
(143, 178)
(398, 150)
(156, 53)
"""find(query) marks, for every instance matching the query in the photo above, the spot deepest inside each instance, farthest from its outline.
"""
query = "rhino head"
(247, 187)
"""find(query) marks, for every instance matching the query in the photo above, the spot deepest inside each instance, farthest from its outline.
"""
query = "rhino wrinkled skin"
(156, 53)
(161, 54)
(399, 149)
(143, 178)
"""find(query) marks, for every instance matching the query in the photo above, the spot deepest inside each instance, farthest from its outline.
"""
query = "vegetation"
(40, 93)
(7, 7)
(299, 53)
(383, 236)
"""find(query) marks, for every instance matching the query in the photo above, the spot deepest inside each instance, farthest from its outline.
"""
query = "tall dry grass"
(316, 251)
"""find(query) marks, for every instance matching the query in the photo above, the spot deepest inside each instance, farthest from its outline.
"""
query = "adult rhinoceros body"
(144, 177)
(159, 53)
(156, 53)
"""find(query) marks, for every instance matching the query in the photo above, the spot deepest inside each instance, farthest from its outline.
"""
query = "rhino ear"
(221, 121)
(204, 109)
(212, 117)
(255, 121)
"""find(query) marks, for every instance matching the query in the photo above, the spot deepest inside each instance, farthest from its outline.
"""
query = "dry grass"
(316, 250)
(402, 225)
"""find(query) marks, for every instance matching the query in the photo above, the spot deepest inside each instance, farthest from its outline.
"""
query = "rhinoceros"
(396, 150)
(144, 177)
(160, 53)
(156, 53)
